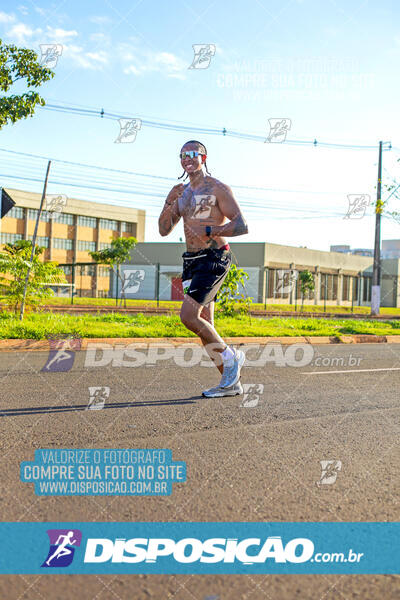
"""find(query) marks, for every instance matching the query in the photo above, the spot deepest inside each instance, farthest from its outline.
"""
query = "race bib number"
(186, 285)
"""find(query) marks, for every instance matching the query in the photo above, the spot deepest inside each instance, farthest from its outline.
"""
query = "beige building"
(68, 237)
(343, 279)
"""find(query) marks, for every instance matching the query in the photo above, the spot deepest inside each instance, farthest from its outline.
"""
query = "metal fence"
(264, 285)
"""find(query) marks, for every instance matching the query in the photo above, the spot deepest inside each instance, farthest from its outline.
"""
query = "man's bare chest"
(200, 203)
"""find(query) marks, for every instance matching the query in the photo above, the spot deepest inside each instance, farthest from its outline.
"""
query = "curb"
(43, 345)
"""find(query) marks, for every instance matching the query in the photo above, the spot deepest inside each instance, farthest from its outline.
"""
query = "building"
(344, 279)
(347, 250)
(390, 249)
(82, 226)
(341, 248)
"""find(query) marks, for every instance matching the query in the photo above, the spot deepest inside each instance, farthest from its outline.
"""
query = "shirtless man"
(210, 213)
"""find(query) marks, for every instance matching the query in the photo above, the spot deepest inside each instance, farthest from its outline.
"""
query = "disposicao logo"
(190, 550)
(62, 547)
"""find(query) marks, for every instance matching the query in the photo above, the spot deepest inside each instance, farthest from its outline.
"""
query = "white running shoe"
(218, 392)
(231, 373)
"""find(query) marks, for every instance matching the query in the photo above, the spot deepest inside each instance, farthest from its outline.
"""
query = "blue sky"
(330, 67)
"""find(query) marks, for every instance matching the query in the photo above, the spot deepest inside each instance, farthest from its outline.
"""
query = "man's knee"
(188, 316)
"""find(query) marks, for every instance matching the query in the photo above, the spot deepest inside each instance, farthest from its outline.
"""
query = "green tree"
(229, 301)
(18, 64)
(114, 257)
(307, 285)
(14, 264)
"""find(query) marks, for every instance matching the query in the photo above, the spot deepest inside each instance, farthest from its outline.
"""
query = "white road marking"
(351, 371)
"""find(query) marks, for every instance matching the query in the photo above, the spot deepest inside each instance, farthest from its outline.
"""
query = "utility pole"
(21, 314)
(376, 274)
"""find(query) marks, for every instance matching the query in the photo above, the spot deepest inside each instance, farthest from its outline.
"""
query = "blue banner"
(192, 548)
(103, 472)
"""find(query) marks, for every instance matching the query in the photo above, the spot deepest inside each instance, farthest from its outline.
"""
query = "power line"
(121, 171)
(100, 113)
(246, 201)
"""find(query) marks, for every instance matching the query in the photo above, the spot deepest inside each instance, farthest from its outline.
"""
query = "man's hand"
(175, 193)
(170, 213)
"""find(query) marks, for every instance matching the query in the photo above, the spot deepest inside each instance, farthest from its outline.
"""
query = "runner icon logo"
(62, 354)
(50, 54)
(98, 397)
(62, 547)
(132, 280)
(252, 392)
(330, 470)
(203, 54)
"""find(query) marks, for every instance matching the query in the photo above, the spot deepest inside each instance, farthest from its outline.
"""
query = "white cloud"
(84, 59)
(41, 11)
(59, 34)
(100, 20)
(21, 32)
(164, 62)
(100, 38)
(6, 18)
(23, 9)
(131, 69)
(98, 57)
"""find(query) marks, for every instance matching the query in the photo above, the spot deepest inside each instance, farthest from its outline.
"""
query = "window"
(64, 218)
(108, 224)
(10, 238)
(104, 271)
(367, 289)
(62, 244)
(330, 283)
(67, 269)
(87, 222)
(128, 227)
(40, 240)
(356, 289)
(345, 287)
(103, 245)
(17, 212)
(85, 246)
(32, 214)
(86, 270)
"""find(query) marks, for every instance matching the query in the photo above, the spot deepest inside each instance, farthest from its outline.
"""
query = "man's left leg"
(232, 361)
(208, 314)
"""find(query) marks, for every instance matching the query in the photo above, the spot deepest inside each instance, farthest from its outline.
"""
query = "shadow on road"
(15, 412)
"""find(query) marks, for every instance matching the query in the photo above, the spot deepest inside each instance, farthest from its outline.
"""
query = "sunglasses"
(190, 154)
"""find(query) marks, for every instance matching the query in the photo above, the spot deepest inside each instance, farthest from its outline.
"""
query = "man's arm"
(230, 208)
(170, 213)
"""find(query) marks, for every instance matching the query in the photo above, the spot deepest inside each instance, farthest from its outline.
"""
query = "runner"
(204, 204)
(62, 549)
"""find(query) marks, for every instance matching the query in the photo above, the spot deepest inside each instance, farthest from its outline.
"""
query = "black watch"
(208, 230)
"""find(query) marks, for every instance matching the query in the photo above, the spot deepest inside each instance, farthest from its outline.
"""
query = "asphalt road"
(248, 459)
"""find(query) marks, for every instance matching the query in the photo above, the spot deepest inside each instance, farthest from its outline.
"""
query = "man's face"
(190, 165)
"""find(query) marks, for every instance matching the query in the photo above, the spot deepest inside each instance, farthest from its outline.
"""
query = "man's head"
(193, 156)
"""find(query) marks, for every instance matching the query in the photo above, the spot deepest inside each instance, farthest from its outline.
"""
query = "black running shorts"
(204, 272)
